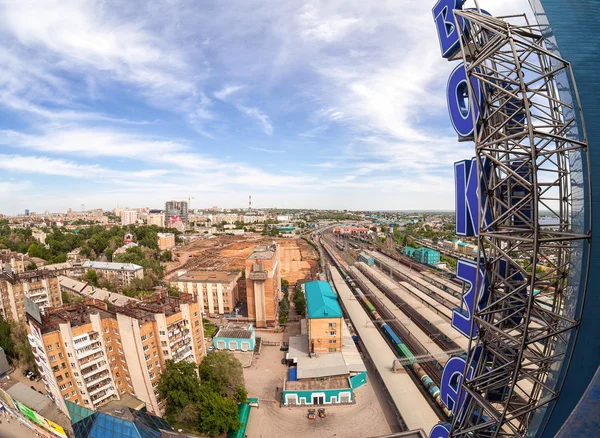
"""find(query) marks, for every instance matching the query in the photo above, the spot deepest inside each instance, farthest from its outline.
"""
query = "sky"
(301, 104)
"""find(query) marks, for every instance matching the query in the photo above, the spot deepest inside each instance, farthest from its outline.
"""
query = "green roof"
(321, 301)
(76, 412)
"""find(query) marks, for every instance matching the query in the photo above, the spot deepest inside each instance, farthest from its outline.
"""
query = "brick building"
(263, 285)
(89, 353)
(217, 290)
(39, 285)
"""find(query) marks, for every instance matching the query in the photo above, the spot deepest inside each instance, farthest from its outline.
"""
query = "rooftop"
(327, 365)
(236, 331)
(112, 266)
(121, 422)
(321, 301)
(79, 313)
(312, 385)
(263, 252)
(208, 276)
(87, 290)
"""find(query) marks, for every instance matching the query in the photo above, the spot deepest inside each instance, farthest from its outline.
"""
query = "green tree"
(22, 348)
(166, 256)
(180, 386)
(222, 372)
(300, 302)
(31, 266)
(172, 291)
(217, 414)
(6, 341)
(66, 298)
(91, 277)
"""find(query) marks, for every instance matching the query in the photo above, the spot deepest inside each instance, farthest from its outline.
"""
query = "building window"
(108, 339)
(151, 334)
(162, 333)
(143, 338)
(332, 325)
(196, 323)
(58, 345)
(115, 331)
(145, 348)
(165, 352)
(52, 358)
(331, 333)
(76, 374)
(67, 396)
(163, 343)
(74, 392)
(63, 387)
(332, 350)
(49, 347)
(70, 354)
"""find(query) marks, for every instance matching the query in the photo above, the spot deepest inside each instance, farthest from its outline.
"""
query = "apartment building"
(263, 285)
(129, 217)
(123, 273)
(166, 241)
(90, 353)
(324, 318)
(157, 219)
(39, 285)
(13, 261)
(217, 290)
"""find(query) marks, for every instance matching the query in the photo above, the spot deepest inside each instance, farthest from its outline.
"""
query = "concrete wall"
(320, 339)
(330, 396)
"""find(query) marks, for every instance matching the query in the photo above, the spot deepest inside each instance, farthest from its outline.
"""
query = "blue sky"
(337, 104)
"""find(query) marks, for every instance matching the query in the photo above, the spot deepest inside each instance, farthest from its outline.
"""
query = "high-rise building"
(90, 353)
(263, 285)
(216, 290)
(129, 217)
(40, 286)
(26, 212)
(157, 219)
(176, 209)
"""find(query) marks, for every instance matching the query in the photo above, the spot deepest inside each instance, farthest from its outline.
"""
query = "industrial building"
(263, 285)
(235, 337)
(366, 258)
(216, 290)
(423, 255)
(176, 209)
(90, 353)
(39, 285)
(123, 273)
(326, 365)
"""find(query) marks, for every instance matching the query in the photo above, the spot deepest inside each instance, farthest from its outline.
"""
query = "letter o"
(459, 103)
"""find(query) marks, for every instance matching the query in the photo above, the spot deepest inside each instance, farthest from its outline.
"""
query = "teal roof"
(321, 301)
(76, 412)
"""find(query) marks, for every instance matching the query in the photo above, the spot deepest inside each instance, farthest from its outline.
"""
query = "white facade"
(157, 219)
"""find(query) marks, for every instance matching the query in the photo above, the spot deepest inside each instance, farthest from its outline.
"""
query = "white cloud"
(257, 114)
(227, 91)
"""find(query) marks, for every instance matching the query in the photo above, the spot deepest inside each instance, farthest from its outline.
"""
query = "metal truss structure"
(528, 237)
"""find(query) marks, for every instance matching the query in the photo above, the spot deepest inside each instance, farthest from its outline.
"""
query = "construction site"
(298, 259)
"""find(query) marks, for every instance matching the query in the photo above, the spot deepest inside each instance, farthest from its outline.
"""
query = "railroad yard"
(402, 315)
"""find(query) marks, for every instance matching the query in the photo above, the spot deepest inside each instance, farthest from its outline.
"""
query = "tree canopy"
(207, 404)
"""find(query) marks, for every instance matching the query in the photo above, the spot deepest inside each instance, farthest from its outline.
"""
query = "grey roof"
(87, 290)
(234, 333)
(112, 266)
(329, 364)
(29, 397)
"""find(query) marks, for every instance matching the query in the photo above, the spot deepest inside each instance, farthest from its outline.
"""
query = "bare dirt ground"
(370, 416)
(298, 259)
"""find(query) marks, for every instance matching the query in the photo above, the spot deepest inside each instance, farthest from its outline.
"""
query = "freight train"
(404, 351)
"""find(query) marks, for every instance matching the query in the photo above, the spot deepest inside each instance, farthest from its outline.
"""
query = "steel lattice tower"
(526, 152)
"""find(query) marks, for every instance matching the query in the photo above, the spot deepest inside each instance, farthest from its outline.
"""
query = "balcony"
(86, 353)
(101, 367)
(43, 299)
(103, 396)
(107, 384)
(38, 293)
(93, 381)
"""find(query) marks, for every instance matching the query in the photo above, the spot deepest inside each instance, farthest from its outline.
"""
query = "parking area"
(369, 416)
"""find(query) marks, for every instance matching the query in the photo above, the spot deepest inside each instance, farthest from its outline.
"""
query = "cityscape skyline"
(170, 107)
